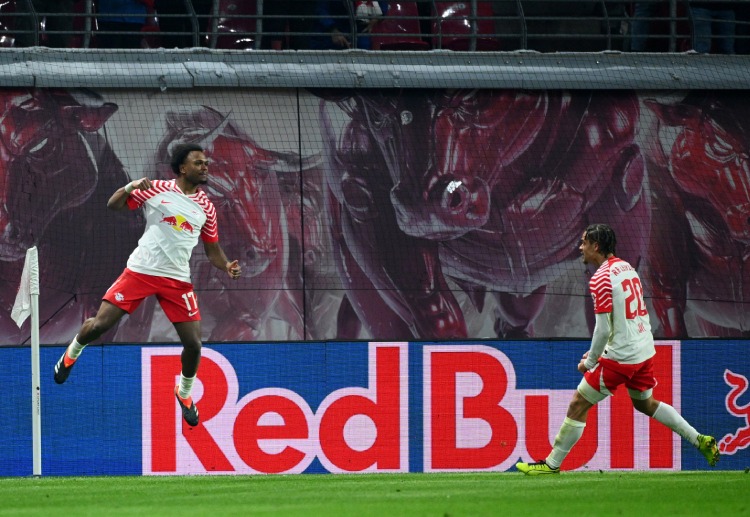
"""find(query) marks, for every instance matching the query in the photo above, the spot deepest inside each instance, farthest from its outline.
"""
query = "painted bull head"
(711, 148)
(456, 196)
(46, 163)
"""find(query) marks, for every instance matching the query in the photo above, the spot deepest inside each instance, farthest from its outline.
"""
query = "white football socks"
(75, 348)
(572, 430)
(568, 435)
(669, 416)
(186, 386)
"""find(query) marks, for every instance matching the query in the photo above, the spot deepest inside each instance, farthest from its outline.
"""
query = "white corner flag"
(27, 304)
(29, 285)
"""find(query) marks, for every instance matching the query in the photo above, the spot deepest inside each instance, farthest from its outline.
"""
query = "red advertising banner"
(338, 407)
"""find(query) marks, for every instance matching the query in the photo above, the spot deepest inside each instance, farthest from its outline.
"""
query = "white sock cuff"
(186, 385)
(573, 423)
(75, 348)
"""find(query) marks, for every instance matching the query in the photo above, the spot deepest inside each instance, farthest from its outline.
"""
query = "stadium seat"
(399, 29)
(230, 32)
(452, 26)
(7, 9)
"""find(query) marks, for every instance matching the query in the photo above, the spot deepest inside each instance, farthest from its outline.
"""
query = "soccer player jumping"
(177, 214)
(621, 353)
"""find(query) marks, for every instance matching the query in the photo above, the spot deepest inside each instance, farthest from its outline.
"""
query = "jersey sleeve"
(210, 230)
(138, 197)
(601, 290)
(136, 201)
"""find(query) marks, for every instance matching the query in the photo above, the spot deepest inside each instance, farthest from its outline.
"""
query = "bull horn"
(201, 136)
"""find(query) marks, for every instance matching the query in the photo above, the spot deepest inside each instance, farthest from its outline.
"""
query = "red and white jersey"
(617, 290)
(173, 223)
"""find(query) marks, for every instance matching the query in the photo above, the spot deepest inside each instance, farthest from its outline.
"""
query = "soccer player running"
(621, 353)
(177, 214)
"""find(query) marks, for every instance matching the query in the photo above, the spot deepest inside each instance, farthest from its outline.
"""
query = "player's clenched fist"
(141, 184)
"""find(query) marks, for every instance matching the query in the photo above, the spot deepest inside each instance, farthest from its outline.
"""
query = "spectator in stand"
(640, 24)
(333, 29)
(713, 23)
(130, 16)
(173, 17)
(58, 25)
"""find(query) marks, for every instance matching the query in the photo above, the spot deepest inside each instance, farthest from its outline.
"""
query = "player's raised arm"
(216, 256)
(119, 199)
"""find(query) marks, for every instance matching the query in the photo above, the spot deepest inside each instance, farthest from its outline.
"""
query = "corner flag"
(29, 285)
(27, 304)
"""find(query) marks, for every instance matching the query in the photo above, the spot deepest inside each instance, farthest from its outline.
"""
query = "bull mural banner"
(349, 407)
(388, 215)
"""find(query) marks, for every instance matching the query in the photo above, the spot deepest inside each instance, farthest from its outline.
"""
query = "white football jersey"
(174, 221)
(617, 291)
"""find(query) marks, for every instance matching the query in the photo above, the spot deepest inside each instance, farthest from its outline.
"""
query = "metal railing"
(545, 26)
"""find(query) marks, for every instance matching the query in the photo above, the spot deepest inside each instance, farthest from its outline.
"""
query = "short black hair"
(604, 236)
(180, 153)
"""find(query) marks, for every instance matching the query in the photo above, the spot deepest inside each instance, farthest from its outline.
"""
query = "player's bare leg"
(190, 335)
(106, 318)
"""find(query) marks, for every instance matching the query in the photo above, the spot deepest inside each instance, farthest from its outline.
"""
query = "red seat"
(452, 29)
(399, 29)
(228, 32)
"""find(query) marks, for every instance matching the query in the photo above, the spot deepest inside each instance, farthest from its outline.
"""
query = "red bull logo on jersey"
(740, 439)
(178, 223)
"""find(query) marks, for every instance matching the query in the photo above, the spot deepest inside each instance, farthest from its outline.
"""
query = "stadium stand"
(463, 26)
(234, 25)
(399, 29)
(539, 25)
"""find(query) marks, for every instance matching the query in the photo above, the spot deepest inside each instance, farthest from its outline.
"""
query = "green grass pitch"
(384, 495)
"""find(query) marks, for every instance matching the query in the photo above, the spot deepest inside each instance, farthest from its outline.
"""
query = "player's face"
(588, 249)
(195, 168)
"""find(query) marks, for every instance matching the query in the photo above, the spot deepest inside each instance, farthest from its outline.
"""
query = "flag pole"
(27, 304)
(36, 387)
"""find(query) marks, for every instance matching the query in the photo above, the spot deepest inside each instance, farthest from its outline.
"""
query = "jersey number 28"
(634, 305)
